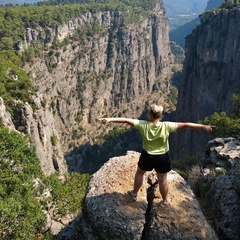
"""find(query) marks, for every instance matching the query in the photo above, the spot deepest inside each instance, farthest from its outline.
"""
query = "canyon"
(119, 69)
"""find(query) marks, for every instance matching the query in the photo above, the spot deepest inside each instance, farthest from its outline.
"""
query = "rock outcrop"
(110, 212)
(5, 116)
(210, 75)
(219, 185)
(40, 125)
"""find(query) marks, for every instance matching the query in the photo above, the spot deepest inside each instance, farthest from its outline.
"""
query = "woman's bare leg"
(163, 185)
(138, 180)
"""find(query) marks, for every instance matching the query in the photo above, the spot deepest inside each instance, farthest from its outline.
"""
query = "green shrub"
(114, 133)
(226, 125)
(54, 139)
(21, 215)
(68, 196)
(217, 172)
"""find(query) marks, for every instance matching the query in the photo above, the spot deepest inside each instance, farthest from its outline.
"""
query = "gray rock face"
(183, 219)
(210, 75)
(113, 72)
(110, 213)
(41, 127)
(224, 179)
(5, 116)
(108, 208)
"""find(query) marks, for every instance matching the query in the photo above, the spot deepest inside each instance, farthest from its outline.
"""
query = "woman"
(155, 153)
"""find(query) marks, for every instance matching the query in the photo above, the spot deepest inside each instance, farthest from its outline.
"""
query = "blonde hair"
(155, 110)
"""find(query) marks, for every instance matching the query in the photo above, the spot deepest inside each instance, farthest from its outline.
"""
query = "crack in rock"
(150, 198)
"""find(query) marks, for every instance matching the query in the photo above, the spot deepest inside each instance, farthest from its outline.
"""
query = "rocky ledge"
(219, 185)
(110, 212)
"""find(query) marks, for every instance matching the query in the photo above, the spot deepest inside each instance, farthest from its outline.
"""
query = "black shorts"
(161, 163)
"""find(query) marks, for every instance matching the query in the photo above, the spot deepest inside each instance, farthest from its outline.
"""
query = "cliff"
(221, 171)
(210, 75)
(104, 68)
(118, 71)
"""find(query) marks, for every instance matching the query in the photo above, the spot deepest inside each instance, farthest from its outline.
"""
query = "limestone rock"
(5, 116)
(113, 72)
(220, 186)
(110, 212)
(210, 75)
(183, 219)
(41, 127)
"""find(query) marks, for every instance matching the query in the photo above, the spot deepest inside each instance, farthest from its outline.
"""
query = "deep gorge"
(102, 64)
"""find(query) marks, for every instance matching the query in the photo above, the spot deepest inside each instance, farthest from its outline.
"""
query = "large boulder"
(110, 212)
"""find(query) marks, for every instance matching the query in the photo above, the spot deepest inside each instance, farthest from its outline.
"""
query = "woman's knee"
(140, 171)
(162, 177)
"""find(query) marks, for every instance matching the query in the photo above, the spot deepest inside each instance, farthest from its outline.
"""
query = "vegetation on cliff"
(227, 125)
(14, 21)
(227, 4)
(230, 3)
(25, 193)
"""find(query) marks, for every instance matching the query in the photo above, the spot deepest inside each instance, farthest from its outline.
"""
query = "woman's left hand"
(209, 128)
(104, 120)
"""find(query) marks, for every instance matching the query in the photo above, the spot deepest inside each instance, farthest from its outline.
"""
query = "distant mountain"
(183, 11)
(184, 7)
(19, 2)
(213, 4)
(183, 16)
(178, 35)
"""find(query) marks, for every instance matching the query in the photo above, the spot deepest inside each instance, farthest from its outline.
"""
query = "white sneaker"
(133, 195)
(165, 203)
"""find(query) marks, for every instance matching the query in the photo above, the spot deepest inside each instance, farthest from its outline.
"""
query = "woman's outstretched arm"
(190, 125)
(129, 121)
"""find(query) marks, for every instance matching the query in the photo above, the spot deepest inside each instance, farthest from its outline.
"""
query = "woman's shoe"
(133, 195)
(165, 203)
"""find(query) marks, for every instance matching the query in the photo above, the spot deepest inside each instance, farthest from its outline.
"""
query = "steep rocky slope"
(210, 75)
(106, 67)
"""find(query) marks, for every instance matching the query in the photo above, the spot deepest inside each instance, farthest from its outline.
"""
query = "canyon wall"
(210, 75)
(104, 67)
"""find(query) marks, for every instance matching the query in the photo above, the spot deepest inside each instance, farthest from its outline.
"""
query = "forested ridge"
(14, 20)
